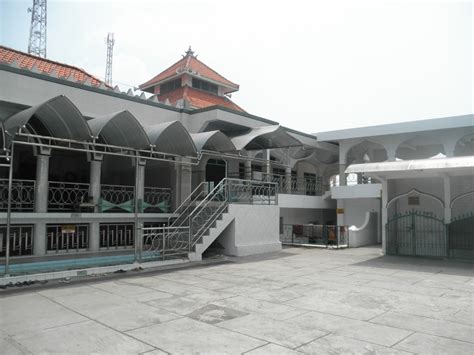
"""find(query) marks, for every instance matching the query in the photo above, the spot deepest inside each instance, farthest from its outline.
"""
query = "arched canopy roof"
(267, 137)
(213, 140)
(59, 116)
(171, 137)
(120, 128)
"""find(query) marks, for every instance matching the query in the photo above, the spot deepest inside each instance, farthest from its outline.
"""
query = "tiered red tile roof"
(47, 66)
(189, 63)
(198, 98)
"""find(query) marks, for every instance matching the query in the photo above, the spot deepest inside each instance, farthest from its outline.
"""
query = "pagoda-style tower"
(191, 84)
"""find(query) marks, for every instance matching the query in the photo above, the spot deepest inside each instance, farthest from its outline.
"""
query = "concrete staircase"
(221, 223)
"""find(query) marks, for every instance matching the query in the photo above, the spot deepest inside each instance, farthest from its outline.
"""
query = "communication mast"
(110, 50)
(37, 41)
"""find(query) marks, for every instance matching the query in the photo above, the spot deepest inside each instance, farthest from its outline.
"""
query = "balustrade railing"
(298, 186)
(67, 196)
(67, 238)
(156, 199)
(165, 242)
(21, 240)
(116, 197)
(22, 197)
(116, 235)
(315, 234)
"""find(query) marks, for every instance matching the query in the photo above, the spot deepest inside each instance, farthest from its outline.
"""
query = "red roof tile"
(191, 65)
(25, 60)
(199, 99)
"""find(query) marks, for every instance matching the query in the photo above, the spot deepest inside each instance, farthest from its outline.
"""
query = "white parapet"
(356, 191)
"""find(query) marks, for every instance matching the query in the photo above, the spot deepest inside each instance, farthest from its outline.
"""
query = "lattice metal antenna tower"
(110, 51)
(37, 41)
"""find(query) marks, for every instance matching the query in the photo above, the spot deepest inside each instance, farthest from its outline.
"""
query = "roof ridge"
(52, 62)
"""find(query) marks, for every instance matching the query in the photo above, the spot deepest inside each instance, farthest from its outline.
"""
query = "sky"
(310, 65)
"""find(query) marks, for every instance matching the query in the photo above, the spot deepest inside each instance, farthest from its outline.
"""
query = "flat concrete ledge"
(87, 271)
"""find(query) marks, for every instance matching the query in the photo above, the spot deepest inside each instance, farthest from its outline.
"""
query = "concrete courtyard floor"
(295, 301)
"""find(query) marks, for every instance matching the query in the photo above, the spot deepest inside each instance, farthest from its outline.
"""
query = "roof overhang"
(416, 168)
(171, 137)
(267, 137)
(121, 129)
(213, 140)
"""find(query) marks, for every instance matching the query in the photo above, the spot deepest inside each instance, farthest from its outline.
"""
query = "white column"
(340, 216)
(268, 165)
(384, 214)
(182, 182)
(447, 199)
(248, 170)
(41, 200)
(342, 174)
(94, 180)
(288, 179)
(140, 185)
(42, 182)
(95, 176)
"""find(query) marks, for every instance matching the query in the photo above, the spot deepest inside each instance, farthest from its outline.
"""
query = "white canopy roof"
(212, 140)
(419, 167)
(267, 137)
(120, 128)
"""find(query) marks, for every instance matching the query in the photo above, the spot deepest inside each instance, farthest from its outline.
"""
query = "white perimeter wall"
(365, 234)
(355, 210)
(255, 230)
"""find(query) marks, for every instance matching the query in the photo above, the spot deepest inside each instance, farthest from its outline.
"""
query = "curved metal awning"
(267, 137)
(213, 140)
(121, 129)
(59, 116)
(171, 137)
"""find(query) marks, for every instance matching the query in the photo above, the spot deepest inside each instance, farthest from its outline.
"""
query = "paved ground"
(298, 300)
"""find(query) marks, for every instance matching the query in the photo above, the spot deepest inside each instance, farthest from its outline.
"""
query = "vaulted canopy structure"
(121, 129)
(171, 137)
(213, 140)
(57, 117)
(267, 137)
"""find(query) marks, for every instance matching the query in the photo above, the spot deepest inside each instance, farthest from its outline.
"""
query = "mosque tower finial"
(189, 52)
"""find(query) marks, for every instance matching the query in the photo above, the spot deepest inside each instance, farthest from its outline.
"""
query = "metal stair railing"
(208, 211)
(185, 208)
(196, 216)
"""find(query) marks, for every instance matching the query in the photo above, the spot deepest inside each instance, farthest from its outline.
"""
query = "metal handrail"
(188, 201)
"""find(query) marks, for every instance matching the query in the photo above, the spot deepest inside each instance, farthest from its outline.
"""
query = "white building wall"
(255, 230)
(356, 209)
